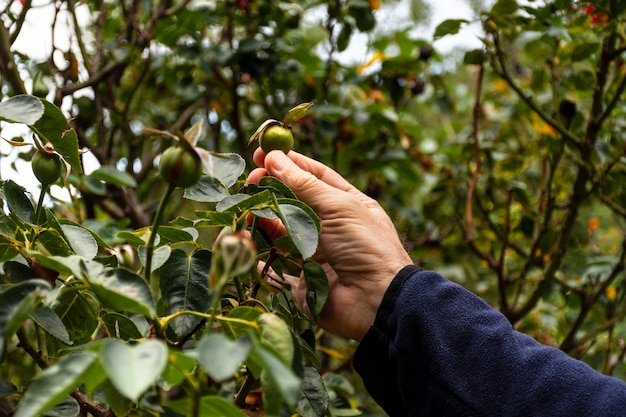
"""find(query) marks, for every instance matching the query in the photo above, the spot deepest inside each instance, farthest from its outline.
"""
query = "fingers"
(273, 160)
(313, 182)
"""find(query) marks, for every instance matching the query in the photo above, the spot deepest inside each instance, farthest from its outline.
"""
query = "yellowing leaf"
(542, 127)
(500, 86)
(610, 292)
(593, 224)
(378, 56)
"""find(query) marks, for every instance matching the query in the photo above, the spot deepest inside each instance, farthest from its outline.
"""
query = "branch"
(8, 68)
(93, 79)
(20, 21)
(469, 216)
(503, 73)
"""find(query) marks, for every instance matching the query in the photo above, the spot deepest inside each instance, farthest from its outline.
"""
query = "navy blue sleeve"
(436, 349)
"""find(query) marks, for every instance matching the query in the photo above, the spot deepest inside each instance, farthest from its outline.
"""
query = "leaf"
(124, 291)
(448, 27)
(308, 210)
(277, 187)
(66, 408)
(79, 313)
(21, 109)
(183, 280)
(297, 113)
(134, 368)
(160, 255)
(280, 383)
(206, 190)
(81, 240)
(276, 333)
(52, 127)
(54, 243)
(301, 228)
(242, 319)
(19, 204)
(474, 57)
(119, 326)
(240, 202)
(114, 176)
(227, 167)
(210, 405)
(316, 287)
(178, 367)
(16, 303)
(505, 7)
(48, 320)
(54, 384)
(222, 357)
(313, 400)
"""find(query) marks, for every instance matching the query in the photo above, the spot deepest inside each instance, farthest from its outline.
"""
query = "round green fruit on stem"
(47, 167)
(180, 167)
(276, 137)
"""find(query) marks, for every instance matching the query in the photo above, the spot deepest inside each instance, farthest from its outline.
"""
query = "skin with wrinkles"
(359, 246)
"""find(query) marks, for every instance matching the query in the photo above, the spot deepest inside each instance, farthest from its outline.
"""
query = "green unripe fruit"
(46, 167)
(276, 137)
(180, 167)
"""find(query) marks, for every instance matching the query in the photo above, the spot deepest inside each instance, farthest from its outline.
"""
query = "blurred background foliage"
(503, 167)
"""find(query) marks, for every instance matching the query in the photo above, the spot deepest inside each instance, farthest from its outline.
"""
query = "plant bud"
(233, 254)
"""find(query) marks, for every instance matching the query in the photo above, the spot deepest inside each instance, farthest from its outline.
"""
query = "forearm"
(436, 348)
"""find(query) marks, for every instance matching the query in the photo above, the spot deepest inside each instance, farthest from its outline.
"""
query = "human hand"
(359, 246)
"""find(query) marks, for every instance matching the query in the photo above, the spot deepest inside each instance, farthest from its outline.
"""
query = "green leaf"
(121, 327)
(297, 113)
(184, 286)
(78, 311)
(244, 318)
(52, 127)
(119, 404)
(54, 384)
(210, 405)
(54, 243)
(277, 187)
(474, 57)
(48, 320)
(301, 228)
(213, 219)
(206, 190)
(227, 167)
(174, 235)
(114, 176)
(505, 8)
(19, 204)
(16, 303)
(124, 291)
(160, 255)
(81, 240)
(179, 366)
(222, 357)
(21, 109)
(308, 210)
(448, 27)
(68, 407)
(316, 287)
(276, 333)
(313, 400)
(280, 383)
(134, 368)
(239, 202)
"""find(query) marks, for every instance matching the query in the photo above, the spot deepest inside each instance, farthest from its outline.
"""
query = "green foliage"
(503, 167)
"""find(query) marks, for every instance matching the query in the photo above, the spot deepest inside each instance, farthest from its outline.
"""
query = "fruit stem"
(154, 285)
(39, 212)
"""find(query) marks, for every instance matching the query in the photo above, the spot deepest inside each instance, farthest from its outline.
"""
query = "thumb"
(310, 189)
